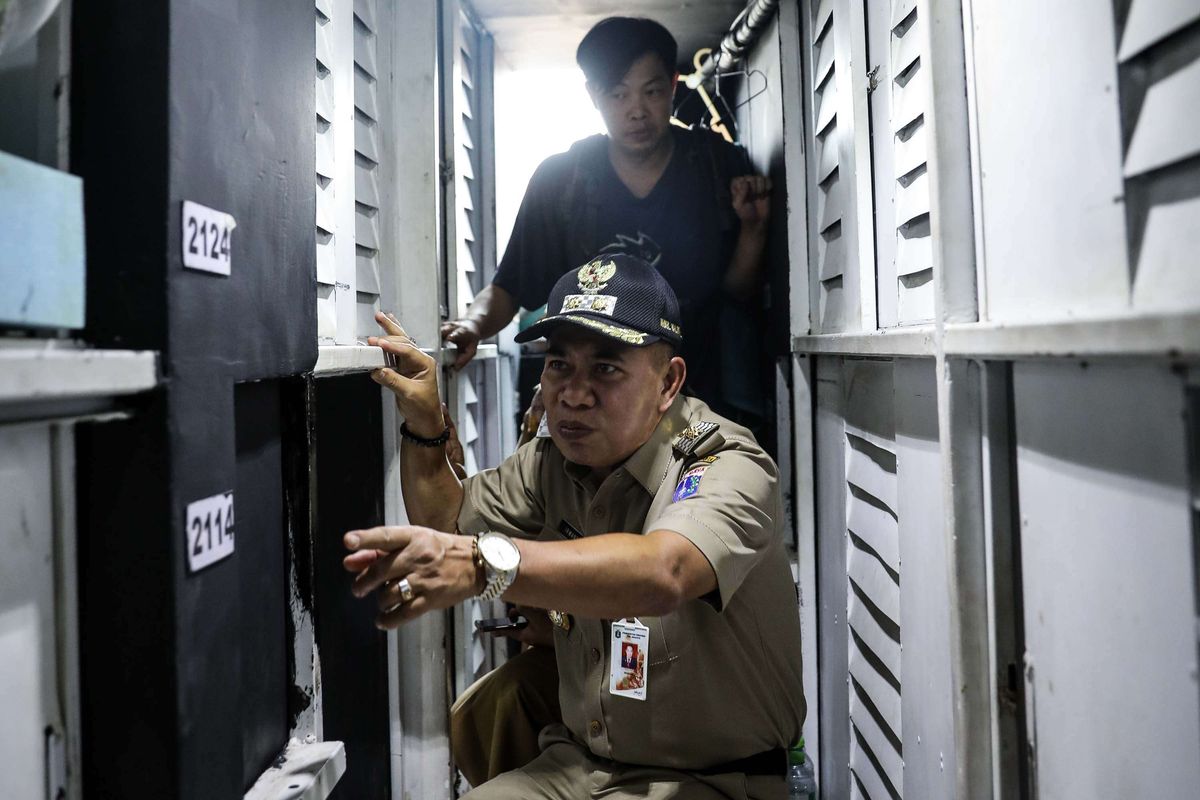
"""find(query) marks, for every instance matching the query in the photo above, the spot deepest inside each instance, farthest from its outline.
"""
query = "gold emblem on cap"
(595, 275)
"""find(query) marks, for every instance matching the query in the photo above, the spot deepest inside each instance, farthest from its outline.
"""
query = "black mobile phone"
(498, 624)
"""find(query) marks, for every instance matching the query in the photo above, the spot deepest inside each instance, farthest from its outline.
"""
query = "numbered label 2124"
(207, 238)
(208, 531)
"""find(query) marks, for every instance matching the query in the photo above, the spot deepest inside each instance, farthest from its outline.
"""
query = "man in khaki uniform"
(651, 527)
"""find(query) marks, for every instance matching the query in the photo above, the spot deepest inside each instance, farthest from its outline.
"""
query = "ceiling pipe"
(742, 35)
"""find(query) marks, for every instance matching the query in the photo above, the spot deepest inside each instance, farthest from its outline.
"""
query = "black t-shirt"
(576, 206)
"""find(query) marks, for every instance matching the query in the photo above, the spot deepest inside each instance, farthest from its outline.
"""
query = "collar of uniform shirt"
(648, 464)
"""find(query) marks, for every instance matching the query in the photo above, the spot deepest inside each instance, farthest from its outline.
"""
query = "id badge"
(630, 653)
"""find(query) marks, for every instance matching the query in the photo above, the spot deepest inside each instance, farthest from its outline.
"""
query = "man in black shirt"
(681, 199)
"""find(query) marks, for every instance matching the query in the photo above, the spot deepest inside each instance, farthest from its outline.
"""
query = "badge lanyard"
(629, 657)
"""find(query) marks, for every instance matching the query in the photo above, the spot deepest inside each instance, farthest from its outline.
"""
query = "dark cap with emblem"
(618, 296)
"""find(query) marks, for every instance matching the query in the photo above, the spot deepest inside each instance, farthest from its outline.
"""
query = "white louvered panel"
(365, 306)
(832, 304)
(822, 14)
(324, 96)
(1150, 21)
(324, 49)
(827, 162)
(912, 201)
(916, 295)
(366, 185)
(366, 228)
(880, 740)
(871, 467)
(914, 254)
(326, 269)
(466, 186)
(824, 62)
(364, 94)
(469, 432)
(913, 251)
(881, 645)
(864, 754)
(365, 11)
(1167, 129)
(465, 252)
(325, 8)
(466, 237)
(871, 436)
(365, 56)
(901, 9)
(326, 313)
(324, 151)
(856, 793)
(904, 52)
(831, 253)
(367, 273)
(830, 203)
(866, 773)
(876, 527)
(911, 151)
(469, 394)
(465, 293)
(325, 211)
(909, 101)
(825, 102)
(873, 581)
(366, 137)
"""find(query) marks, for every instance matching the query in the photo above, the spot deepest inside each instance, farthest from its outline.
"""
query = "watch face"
(499, 552)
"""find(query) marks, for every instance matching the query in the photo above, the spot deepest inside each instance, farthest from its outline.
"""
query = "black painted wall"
(211, 102)
(353, 650)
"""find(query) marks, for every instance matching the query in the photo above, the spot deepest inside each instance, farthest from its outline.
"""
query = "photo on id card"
(630, 654)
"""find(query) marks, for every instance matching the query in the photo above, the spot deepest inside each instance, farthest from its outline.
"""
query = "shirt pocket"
(663, 638)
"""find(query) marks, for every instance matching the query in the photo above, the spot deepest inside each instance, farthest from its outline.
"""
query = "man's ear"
(673, 380)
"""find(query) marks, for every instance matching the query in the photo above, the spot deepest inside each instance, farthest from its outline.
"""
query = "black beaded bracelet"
(422, 441)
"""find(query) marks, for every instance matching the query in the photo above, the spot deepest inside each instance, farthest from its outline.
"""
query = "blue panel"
(41, 246)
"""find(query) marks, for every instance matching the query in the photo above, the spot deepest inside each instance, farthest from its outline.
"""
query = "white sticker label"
(629, 656)
(208, 534)
(207, 236)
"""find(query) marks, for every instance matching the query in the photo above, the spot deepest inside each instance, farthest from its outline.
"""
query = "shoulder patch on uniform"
(689, 483)
(691, 436)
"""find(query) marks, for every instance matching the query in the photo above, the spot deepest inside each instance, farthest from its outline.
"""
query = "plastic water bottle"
(802, 782)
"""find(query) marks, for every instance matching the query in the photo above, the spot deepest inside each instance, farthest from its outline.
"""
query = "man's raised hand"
(411, 376)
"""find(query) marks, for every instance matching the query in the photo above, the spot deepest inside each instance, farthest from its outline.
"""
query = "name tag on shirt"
(630, 653)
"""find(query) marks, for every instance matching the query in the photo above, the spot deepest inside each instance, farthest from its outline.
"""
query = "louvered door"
(470, 262)
(1159, 70)
(349, 156)
(873, 584)
(839, 179)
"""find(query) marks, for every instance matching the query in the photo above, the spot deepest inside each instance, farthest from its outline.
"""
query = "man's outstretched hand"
(463, 334)
(439, 569)
(412, 377)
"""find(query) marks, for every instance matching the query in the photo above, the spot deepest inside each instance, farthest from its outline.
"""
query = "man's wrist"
(754, 230)
(425, 427)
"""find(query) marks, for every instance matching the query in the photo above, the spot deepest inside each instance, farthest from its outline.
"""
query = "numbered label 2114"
(208, 532)
(206, 238)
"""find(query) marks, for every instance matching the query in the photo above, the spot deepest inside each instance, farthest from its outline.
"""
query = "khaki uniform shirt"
(724, 679)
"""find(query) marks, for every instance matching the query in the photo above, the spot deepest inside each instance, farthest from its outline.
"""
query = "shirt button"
(594, 728)
(595, 655)
(598, 511)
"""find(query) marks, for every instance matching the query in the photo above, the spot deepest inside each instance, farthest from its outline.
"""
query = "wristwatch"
(500, 559)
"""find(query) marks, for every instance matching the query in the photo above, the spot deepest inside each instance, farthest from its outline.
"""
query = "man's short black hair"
(613, 44)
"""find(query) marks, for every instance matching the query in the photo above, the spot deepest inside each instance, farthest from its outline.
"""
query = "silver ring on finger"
(406, 591)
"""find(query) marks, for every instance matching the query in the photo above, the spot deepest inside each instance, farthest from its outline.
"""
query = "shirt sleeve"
(534, 259)
(506, 498)
(730, 514)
